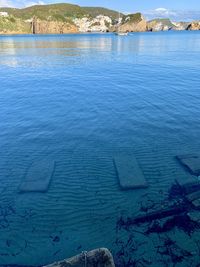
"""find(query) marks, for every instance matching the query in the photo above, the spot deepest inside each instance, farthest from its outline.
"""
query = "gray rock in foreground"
(99, 257)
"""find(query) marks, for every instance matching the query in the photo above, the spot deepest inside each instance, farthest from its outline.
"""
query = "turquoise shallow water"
(78, 99)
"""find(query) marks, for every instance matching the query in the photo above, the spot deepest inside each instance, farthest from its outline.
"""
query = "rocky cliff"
(159, 25)
(99, 23)
(52, 27)
(194, 26)
(56, 18)
(67, 18)
(180, 26)
(166, 25)
(133, 23)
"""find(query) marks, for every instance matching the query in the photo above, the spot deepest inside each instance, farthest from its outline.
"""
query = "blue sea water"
(79, 99)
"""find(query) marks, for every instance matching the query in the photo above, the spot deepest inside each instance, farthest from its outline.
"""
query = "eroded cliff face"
(52, 27)
(137, 24)
(98, 24)
(180, 26)
(194, 26)
(159, 25)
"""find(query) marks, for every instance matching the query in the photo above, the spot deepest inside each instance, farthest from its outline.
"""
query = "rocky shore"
(66, 18)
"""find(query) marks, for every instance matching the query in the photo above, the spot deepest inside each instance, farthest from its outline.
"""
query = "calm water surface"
(79, 99)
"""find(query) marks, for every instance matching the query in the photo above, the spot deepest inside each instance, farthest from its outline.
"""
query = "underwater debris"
(133, 263)
(182, 222)
(180, 191)
(182, 213)
(154, 215)
(129, 252)
(183, 197)
(170, 249)
(180, 210)
(126, 257)
(155, 227)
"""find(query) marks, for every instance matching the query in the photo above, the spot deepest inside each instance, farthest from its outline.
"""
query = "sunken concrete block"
(38, 177)
(191, 162)
(99, 257)
(129, 172)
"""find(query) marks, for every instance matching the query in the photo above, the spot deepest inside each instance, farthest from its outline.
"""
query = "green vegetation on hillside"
(46, 11)
(58, 12)
(11, 24)
(131, 18)
(95, 11)
(166, 22)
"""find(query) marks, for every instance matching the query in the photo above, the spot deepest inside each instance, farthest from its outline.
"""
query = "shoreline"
(90, 33)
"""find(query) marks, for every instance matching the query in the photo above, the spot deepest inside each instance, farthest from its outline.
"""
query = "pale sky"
(175, 9)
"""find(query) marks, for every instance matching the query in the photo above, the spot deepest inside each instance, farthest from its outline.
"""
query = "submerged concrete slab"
(38, 177)
(129, 172)
(191, 162)
(99, 257)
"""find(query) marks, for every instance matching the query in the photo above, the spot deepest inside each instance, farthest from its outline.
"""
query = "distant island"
(68, 18)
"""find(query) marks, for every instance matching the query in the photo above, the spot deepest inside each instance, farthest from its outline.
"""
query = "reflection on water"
(85, 45)
(78, 100)
(74, 46)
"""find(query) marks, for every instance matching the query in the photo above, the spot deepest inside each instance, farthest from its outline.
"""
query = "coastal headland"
(68, 18)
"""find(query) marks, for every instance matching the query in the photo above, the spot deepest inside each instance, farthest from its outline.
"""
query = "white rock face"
(180, 26)
(4, 14)
(166, 28)
(99, 24)
(158, 27)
